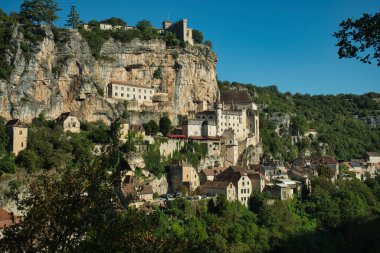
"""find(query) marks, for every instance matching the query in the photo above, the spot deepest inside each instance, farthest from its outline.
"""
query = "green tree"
(39, 11)
(360, 38)
(197, 36)
(144, 25)
(115, 21)
(208, 43)
(165, 125)
(326, 172)
(151, 127)
(73, 18)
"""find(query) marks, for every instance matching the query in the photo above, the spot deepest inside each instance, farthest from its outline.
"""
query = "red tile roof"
(216, 184)
(324, 159)
(176, 136)
(213, 171)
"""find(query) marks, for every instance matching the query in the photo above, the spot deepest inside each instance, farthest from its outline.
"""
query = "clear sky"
(288, 43)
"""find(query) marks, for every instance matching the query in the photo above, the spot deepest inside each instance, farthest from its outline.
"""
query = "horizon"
(284, 43)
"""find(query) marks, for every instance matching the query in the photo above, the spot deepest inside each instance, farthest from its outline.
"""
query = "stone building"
(18, 134)
(216, 188)
(180, 29)
(126, 91)
(69, 122)
(239, 177)
(182, 175)
(122, 126)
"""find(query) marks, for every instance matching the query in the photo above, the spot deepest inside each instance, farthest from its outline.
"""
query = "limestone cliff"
(62, 75)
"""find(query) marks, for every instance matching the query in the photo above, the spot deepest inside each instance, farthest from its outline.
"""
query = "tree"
(73, 18)
(39, 11)
(208, 43)
(197, 36)
(115, 21)
(326, 172)
(144, 25)
(151, 127)
(360, 38)
(165, 125)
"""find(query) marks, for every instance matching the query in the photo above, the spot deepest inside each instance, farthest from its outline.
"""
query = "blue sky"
(288, 43)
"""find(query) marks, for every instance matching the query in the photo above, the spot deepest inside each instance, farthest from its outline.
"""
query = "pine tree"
(73, 18)
(39, 11)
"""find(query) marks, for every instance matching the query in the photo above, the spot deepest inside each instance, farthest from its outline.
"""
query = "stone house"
(139, 129)
(18, 134)
(69, 122)
(180, 29)
(239, 177)
(328, 161)
(122, 126)
(183, 175)
(209, 174)
(283, 189)
(135, 191)
(216, 188)
(373, 157)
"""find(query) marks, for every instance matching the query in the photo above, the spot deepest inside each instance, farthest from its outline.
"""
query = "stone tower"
(18, 134)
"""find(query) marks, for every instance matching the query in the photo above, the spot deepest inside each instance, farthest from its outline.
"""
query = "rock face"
(62, 75)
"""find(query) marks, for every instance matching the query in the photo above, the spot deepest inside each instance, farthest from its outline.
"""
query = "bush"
(7, 164)
(158, 73)
(151, 127)
(165, 125)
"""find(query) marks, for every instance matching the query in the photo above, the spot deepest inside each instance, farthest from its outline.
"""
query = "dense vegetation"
(333, 218)
(333, 116)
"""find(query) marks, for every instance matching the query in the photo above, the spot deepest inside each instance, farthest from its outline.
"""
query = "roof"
(213, 171)
(201, 138)
(14, 123)
(176, 136)
(129, 84)
(135, 188)
(64, 116)
(216, 184)
(6, 218)
(373, 153)
(181, 163)
(324, 159)
(235, 96)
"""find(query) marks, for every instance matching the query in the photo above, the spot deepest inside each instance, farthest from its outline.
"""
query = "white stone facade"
(125, 91)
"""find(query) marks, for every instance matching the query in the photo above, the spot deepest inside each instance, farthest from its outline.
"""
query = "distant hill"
(341, 121)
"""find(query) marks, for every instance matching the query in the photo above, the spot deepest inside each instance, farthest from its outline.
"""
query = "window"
(139, 90)
(144, 97)
(127, 89)
(139, 96)
(150, 92)
(20, 133)
(122, 94)
(122, 88)
(116, 94)
(245, 191)
(127, 95)
(74, 124)
(241, 190)
(133, 89)
(243, 183)
(144, 91)
(22, 144)
(248, 191)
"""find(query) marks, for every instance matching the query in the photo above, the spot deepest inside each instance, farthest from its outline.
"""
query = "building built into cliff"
(235, 119)
(18, 134)
(69, 122)
(180, 29)
(126, 91)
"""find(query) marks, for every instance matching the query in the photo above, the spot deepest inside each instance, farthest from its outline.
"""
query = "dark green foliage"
(208, 43)
(6, 29)
(153, 161)
(326, 172)
(158, 73)
(100, 133)
(114, 21)
(360, 38)
(165, 125)
(29, 160)
(4, 137)
(144, 25)
(197, 36)
(7, 164)
(95, 39)
(151, 127)
(192, 152)
(38, 11)
(73, 20)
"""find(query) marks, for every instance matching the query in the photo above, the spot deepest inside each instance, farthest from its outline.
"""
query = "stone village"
(228, 129)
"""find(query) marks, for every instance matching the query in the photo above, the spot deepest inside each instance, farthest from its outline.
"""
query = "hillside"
(54, 70)
(338, 120)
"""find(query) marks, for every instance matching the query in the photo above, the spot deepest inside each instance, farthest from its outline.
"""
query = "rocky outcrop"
(59, 75)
